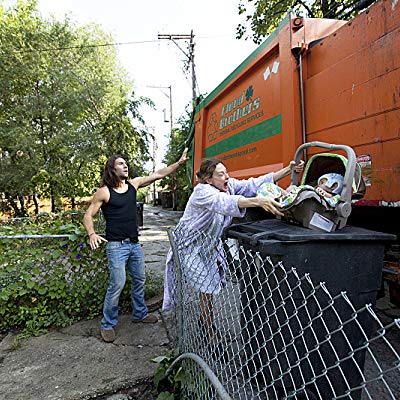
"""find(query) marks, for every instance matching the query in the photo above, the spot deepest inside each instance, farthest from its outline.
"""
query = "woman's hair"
(109, 177)
(207, 168)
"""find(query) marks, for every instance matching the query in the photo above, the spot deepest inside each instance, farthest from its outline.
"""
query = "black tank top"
(120, 215)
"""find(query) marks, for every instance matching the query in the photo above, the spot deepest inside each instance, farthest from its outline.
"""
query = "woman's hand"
(298, 168)
(267, 203)
(270, 205)
(288, 170)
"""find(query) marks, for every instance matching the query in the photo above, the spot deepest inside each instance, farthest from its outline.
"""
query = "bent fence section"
(268, 333)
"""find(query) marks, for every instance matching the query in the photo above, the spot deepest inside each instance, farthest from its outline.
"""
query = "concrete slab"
(76, 364)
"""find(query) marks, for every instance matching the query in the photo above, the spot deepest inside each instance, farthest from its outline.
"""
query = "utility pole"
(154, 166)
(189, 56)
(173, 180)
(190, 59)
(153, 137)
(193, 72)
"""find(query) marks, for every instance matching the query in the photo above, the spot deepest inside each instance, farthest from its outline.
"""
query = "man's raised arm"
(142, 181)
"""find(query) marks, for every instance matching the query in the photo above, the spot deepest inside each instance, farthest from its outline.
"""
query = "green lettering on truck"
(263, 130)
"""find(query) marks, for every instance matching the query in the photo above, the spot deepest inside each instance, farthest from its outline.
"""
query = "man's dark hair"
(207, 168)
(109, 177)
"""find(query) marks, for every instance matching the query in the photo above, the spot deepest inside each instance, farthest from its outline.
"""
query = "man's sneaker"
(150, 319)
(108, 335)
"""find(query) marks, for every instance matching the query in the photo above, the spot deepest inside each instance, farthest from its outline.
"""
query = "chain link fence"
(53, 280)
(48, 279)
(250, 328)
(45, 218)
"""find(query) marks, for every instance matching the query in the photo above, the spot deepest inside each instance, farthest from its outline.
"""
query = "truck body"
(314, 80)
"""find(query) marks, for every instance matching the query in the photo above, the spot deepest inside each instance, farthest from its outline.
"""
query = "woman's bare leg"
(206, 314)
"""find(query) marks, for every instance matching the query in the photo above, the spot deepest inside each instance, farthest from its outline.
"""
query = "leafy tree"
(65, 106)
(263, 16)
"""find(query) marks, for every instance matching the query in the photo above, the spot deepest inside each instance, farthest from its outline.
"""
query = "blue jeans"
(120, 256)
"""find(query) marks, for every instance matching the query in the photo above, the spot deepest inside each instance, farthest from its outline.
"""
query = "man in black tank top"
(117, 199)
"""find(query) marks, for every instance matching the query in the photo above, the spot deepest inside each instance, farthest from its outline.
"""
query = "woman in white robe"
(214, 202)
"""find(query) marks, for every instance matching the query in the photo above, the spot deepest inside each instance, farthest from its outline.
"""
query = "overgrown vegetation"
(184, 374)
(66, 106)
(53, 281)
(168, 387)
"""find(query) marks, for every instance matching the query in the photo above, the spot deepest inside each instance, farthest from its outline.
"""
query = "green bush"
(53, 281)
(49, 282)
(141, 195)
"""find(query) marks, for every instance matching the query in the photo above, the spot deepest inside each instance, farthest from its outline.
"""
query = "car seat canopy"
(324, 163)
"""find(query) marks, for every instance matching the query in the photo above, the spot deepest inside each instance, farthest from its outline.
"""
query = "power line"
(83, 46)
(190, 55)
(171, 37)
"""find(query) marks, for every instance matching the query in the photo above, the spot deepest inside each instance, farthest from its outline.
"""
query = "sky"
(153, 62)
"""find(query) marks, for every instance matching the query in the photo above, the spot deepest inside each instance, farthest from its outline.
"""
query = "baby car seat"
(313, 211)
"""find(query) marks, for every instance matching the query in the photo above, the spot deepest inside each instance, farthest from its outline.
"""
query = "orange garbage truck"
(314, 80)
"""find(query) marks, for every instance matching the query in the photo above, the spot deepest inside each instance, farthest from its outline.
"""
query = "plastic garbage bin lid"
(280, 230)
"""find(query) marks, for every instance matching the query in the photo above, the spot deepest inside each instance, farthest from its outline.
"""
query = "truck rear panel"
(351, 77)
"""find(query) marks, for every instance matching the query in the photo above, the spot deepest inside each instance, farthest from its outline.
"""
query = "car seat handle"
(350, 168)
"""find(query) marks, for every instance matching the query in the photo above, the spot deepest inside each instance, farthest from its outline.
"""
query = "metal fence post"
(179, 313)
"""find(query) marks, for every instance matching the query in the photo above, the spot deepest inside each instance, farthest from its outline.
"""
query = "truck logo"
(212, 127)
(236, 109)
(249, 93)
(234, 114)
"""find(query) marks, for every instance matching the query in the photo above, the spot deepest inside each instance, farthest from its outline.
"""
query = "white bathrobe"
(198, 235)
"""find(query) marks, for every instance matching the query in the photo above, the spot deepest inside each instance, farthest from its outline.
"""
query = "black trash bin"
(286, 329)
(139, 213)
(166, 199)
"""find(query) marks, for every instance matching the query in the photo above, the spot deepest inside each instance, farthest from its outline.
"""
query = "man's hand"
(184, 157)
(142, 181)
(95, 241)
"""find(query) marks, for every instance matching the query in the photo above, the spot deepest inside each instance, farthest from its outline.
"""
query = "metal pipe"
(302, 107)
(223, 394)
(179, 286)
(35, 236)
